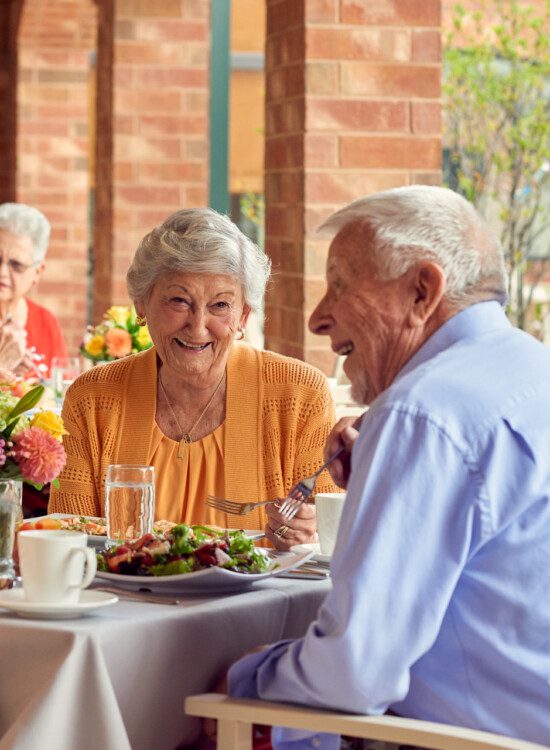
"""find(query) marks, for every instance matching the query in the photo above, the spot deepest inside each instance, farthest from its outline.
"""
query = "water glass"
(10, 516)
(63, 371)
(129, 502)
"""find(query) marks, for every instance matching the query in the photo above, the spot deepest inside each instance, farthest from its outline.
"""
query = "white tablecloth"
(116, 679)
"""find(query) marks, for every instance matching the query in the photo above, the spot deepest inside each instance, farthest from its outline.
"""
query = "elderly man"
(440, 607)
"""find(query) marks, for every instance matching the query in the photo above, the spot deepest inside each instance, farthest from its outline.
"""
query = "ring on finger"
(281, 531)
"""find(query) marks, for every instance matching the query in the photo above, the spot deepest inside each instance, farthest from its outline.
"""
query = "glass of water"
(129, 502)
(63, 371)
(10, 516)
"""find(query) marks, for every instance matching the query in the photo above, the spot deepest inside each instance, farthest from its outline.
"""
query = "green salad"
(185, 549)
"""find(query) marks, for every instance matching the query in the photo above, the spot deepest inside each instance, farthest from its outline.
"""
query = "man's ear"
(429, 286)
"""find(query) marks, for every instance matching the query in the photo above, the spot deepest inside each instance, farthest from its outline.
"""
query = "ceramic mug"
(55, 565)
(328, 507)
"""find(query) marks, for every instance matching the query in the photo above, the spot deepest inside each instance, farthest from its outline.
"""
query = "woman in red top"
(26, 328)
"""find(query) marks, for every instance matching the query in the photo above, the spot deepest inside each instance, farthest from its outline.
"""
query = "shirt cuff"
(242, 683)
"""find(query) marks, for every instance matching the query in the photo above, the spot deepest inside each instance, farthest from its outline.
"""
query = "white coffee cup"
(328, 507)
(52, 565)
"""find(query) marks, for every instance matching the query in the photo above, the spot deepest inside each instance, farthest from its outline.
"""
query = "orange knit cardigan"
(279, 413)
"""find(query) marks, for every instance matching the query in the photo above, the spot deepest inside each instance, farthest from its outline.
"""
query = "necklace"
(186, 436)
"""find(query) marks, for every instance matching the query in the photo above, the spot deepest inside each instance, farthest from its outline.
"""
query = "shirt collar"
(468, 323)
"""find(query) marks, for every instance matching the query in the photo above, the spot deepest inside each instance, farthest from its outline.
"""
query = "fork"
(139, 595)
(297, 495)
(232, 506)
(301, 491)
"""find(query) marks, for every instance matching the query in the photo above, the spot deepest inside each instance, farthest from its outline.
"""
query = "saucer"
(14, 599)
(315, 548)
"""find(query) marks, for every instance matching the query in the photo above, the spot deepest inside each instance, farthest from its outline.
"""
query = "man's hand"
(300, 530)
(345, 433)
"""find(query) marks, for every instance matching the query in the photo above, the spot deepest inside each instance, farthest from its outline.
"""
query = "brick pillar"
(55, 40)
(10, 13)
(352, 107)
(152, 144)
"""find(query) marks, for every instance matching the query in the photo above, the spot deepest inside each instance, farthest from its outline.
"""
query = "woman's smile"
(191, 346)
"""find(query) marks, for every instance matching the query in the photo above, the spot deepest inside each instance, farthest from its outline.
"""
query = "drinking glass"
(10, 516)
(328, 507)
(63, 371)
(129, 502)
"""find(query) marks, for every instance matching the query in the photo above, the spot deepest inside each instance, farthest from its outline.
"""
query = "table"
(117, 678)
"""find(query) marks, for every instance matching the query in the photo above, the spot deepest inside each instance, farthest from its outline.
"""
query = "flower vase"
(11, 514)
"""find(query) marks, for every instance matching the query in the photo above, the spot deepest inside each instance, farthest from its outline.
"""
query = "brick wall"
(150, 113)
(55, 40)
(352, 107)
(153, 139)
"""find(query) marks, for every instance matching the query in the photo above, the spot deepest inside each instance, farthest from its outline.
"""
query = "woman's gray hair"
(199, 240)
(423, 222)
(27, 221)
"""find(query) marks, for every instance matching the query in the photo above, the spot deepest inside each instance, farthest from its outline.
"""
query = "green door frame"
(219, 105)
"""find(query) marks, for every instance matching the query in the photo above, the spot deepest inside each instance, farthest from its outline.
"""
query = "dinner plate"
(209, 580)
(14, 599)
(315, 549)
(98, 540)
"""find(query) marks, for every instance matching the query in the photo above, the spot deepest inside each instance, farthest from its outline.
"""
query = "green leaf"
(28, 401)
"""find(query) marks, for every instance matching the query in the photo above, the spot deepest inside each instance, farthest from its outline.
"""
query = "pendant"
(184, 442)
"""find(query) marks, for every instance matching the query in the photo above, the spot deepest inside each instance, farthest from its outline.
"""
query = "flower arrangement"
(116, 336)
(30, 446)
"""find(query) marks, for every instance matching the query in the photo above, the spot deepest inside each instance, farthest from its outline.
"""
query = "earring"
(141, 321)
(241, 332)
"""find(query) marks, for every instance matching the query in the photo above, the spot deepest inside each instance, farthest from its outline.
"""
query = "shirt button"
(316, 742)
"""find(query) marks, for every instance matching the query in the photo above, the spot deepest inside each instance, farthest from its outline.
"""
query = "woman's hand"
(13, 347)
(344, 432)
(301, 529)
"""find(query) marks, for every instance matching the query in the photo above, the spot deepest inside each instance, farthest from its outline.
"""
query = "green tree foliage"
(497, 118)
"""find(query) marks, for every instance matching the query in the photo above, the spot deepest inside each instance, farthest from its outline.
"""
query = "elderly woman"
(25, 327)
(210, 413)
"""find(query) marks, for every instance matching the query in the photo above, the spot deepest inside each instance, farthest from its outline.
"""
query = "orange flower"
(118, 343)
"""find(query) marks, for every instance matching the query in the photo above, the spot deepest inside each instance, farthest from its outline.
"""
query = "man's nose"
(320, 321)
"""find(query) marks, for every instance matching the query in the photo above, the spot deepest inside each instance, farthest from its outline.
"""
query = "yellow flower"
(119, 314)
(50, 422)
(95, 345)
(143, 339)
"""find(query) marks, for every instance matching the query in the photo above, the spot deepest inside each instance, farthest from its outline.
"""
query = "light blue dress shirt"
(440, 606)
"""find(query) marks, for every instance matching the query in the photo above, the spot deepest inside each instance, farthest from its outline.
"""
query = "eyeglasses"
(15, 266)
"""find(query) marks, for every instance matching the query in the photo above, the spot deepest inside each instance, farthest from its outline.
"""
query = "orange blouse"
(182, 484)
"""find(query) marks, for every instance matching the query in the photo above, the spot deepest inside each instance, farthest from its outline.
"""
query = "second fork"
(301, 491)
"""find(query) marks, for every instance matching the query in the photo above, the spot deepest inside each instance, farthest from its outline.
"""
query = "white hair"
(199, 240)
(424, 222)
(27, 221)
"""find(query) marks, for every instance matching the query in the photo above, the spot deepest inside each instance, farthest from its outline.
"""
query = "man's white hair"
(424, 222)
(26, 221)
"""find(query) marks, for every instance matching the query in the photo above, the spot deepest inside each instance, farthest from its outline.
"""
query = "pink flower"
(39, 455)
(3, 457)
(118, 343)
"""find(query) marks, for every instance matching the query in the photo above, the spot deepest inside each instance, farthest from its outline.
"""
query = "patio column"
(352, 107)
(152, 134)
(10, 13)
